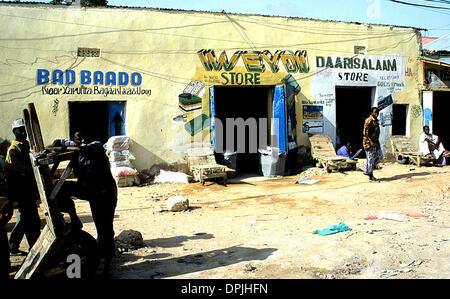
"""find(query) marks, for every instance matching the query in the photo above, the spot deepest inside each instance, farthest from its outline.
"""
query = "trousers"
(373, 157)
(103, 204)
(4, 254)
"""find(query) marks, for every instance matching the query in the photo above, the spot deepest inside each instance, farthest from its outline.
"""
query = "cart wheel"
(82, 244)
(402, 160)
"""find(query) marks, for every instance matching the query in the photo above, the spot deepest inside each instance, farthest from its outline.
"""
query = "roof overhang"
(438, 62)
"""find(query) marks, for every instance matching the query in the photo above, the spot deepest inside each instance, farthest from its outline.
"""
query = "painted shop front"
(436, 98)
(173, 80)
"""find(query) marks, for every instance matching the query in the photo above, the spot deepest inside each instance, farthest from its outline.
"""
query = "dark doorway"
(94, 119)
(441, 122)
(352, 108)
(399, 117)
(245, 103)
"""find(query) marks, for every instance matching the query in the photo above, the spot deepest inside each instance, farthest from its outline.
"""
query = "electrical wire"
(419, 5)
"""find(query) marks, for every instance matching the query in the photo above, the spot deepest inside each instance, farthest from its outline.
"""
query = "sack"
(124, 163)
(123, 171)
(118, 143)
(116, 156)
(127, 181)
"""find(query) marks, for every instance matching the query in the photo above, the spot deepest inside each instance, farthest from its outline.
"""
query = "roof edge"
(202, 11)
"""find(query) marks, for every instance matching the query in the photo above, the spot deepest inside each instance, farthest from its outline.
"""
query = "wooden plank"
(44, 203)
(26, 118)
(61, 181)
(37, 255)
(36, 128)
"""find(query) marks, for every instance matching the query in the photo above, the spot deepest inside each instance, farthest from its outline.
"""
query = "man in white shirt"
(430, 145)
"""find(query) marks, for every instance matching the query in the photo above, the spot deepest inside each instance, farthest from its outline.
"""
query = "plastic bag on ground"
(171, 177)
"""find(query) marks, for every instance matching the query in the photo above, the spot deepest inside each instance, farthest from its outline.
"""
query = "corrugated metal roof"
(445, 61)
(440, 44)
(181, 10)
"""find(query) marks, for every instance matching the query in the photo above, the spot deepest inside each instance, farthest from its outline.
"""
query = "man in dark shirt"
(95, 184)
(371, 143)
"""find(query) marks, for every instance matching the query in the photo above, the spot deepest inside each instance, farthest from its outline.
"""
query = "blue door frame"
(116, 118)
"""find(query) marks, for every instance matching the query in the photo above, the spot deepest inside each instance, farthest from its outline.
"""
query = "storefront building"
(436, 87)
(173, 79)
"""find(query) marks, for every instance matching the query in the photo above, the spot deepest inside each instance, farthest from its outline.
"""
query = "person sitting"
(431, 146)
(345, 151)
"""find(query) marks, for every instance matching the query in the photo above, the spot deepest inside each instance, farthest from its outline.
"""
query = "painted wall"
(178, 56)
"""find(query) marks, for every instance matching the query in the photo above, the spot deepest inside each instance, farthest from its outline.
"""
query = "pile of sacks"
(118, 151)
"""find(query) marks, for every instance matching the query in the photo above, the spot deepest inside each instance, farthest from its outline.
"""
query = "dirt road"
(263, 228)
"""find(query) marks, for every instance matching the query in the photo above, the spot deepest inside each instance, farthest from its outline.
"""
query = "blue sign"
(69, 77)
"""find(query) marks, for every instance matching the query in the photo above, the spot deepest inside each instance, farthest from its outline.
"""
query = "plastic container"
(229, 159)
(273, 161)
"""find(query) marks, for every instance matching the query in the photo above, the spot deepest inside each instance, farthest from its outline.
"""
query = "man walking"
(371, 143)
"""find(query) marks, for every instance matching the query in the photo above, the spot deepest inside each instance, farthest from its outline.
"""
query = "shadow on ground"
(403, 176)
(131, 265)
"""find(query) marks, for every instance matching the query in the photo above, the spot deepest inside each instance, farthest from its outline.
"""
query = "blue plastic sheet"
(279, 114)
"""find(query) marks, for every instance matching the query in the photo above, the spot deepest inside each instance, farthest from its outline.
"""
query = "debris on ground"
(307, 181)
(310, 172)
(129, 239)
(392, 216)
(249, 268)
(177, 204)
(333, 229)
(416, 215)
(172, 177)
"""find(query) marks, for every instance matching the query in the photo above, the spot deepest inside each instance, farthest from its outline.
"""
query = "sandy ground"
(258, 227)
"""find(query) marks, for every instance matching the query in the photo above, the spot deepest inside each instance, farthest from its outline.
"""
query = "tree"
(94, 2)
(84, 2)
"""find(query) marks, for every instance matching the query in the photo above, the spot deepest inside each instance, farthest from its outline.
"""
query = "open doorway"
(246, 103)
(97, 120)
(352, 108)
(441, 107)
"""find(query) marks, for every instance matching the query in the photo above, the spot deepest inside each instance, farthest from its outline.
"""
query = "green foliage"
(85, 2)
(94, 2)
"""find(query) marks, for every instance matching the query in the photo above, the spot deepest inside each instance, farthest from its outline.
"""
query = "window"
(88, 52)
(399, 119)
(359, 50)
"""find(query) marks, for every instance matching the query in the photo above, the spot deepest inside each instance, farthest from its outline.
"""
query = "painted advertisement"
(312, 119)
(85, 82)
(195, 120)
(385, 74)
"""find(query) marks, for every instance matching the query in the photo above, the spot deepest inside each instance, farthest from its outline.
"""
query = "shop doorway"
(97, 120)
(246, 103)
(400, 119)
(352, 108)
(441, 108)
